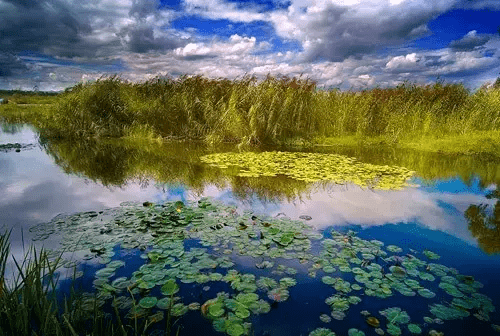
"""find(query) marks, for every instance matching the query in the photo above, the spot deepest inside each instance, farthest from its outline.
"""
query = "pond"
(251, 253)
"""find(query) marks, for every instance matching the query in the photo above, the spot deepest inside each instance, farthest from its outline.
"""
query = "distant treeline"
(271, 111)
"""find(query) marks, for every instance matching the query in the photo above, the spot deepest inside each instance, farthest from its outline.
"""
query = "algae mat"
(312, 167)
(348, 270)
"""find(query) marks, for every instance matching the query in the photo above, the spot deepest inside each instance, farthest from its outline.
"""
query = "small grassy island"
(439, 118)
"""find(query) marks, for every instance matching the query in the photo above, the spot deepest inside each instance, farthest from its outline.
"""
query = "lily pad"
(414, 329)
(170, 288)
(148, 302)
(321, 332)
(355, 332)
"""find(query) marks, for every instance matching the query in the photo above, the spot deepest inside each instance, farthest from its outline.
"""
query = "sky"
(51, 45)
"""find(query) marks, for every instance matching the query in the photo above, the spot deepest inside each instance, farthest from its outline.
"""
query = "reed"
(271, 111)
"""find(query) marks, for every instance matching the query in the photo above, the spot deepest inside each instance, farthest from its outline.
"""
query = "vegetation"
(312, 167)
(272, 111)
(29, 304)
(359, 270)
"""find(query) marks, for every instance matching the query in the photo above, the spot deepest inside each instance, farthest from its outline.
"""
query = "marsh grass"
(272, 111)
(29, 303)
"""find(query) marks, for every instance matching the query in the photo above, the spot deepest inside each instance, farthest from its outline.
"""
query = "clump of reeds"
(272, 111)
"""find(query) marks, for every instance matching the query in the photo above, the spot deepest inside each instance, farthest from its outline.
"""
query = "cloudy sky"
(53, 44)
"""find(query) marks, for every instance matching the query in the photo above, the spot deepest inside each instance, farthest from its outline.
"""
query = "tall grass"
(271, 111)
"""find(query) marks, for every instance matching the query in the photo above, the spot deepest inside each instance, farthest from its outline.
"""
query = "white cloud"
(237, 45)
(337, 30)
(339, 41)
(408, 62)
(219, 9)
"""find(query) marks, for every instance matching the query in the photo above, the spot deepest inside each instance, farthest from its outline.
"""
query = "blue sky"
(347, 44)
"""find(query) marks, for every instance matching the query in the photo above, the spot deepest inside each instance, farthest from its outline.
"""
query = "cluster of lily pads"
(381, 274)
(353, 269)
(312, 167)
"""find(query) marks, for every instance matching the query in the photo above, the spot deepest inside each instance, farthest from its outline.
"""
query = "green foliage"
(272, 111)
(311, 167)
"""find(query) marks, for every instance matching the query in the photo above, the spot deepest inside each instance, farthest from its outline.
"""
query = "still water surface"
(52, 177)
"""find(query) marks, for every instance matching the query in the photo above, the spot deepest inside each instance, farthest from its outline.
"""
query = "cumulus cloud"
(236, 45)
(410, 62)
(337, 30)
(342, 43)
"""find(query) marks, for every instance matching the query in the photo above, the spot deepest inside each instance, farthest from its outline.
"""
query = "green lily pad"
(321, 332)
(393, 330)
(355, 332)
(278, 294)
(414, 329)
(287, 282)
(431, 255)
(311, 167)
(179, 309)
(394, 249)
(164, 303)
(148, 302)
(169, 288)
(325, 318)
(426, 293)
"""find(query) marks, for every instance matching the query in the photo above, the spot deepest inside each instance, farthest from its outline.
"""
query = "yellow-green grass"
(273, 111)
(471, 143)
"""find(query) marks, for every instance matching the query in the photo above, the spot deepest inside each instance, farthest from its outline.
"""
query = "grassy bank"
(273, 111)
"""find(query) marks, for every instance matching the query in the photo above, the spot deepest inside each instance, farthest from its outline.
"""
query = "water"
(50, 177)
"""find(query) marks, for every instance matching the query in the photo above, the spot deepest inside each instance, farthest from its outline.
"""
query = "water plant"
(216, 228)
(311, 167)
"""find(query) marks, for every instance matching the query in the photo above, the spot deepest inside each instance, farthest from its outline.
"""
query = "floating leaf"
(426, 293)
(321, 332)
(179, 309)
(311, 167)
(170, 288)
(414, 329)
(278, 294)
(355, 332)
(287, 282)
(325, 318)
(148, 302)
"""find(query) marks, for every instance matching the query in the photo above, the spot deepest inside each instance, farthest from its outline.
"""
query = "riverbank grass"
(274, 111)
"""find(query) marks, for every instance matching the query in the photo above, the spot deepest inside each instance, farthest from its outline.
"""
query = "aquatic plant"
(163, 230)
(311, 167)
(322, 332)
(372, 321)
